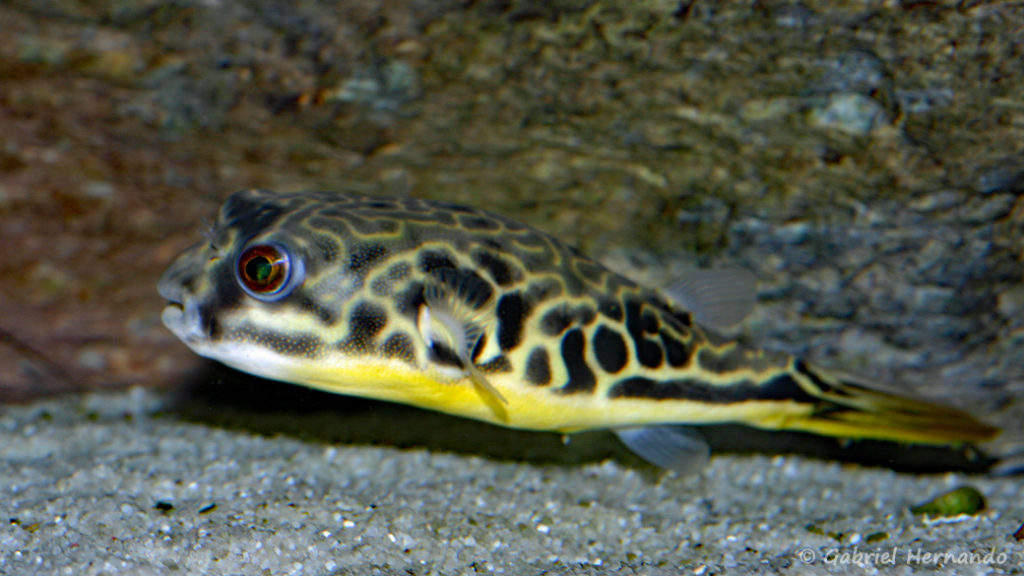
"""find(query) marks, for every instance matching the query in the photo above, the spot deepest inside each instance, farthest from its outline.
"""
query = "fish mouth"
(173, 316)
(183, 322)
(175, 311)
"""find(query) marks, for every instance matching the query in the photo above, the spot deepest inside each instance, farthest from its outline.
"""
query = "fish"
(467, 312)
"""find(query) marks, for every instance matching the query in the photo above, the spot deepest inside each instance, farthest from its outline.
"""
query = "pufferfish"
(463, 311)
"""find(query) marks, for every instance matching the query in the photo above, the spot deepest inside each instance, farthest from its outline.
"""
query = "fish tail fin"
(846, 408)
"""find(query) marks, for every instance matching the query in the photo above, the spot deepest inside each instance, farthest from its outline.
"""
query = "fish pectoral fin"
(484, 386)
(458, 289)
(716, 298)
(455, 312)
(488, 393)
(452, 333)
(679, 448)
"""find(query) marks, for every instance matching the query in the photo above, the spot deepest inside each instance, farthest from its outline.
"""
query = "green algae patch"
(876, 537)
(963, 500)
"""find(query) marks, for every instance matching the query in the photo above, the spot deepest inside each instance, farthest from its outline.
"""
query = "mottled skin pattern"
(569, 344)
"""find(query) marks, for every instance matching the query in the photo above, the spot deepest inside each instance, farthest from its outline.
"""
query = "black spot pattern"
(684, 318)
(514, 226)
(781, 387)
(650, 322)
(610, 350)
(410, 300)
(675, 350)
(573, 285)
(399, 346)
(437, 236)
(364, 255)
(647, 352)
(512, 312)
(500, 270)
(615, 283)
(365, 322)
(542, 290)
(308, 304)
(584, 315)
(538, 367)
(610, 308)
(473, 222)
(581, 377)
(431, 260)
(721, 362)
(417, 205)
(536, 259)
(497, 364)
(555, 321)
(327, 246)
(640, 387)
(383, 284)
(559, 319)
(591, 271)
(452, 207)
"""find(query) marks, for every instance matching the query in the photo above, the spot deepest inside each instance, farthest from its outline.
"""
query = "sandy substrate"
(125, 484)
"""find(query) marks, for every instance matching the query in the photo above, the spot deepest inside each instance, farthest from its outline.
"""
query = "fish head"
(262, 290)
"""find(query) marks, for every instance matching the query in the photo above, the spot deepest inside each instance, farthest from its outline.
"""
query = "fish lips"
(185, 322)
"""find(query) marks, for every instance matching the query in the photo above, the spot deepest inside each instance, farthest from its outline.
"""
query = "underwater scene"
(511, 287)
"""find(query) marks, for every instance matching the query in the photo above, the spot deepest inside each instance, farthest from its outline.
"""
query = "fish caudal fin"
(845, 408)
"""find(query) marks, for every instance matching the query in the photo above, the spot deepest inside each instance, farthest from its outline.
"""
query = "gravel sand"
(140, 482)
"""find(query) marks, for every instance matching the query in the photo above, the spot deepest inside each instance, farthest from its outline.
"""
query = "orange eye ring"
(267, 272)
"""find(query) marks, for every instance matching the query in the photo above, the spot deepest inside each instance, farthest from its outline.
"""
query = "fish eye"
(268, 272)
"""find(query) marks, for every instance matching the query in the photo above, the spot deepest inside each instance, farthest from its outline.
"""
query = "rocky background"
(865, 159)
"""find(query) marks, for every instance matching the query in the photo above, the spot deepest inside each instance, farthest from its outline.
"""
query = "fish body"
(467, 312)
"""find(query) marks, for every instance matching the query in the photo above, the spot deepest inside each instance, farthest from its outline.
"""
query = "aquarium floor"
(122, 484)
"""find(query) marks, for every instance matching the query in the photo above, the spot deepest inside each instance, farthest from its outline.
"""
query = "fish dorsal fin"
(679, 448)
(716, 298)
(453, 319)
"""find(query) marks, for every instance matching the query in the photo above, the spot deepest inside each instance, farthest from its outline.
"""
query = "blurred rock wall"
(864, 158)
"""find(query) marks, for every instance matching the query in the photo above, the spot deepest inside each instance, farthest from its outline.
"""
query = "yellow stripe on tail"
(849, 409)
